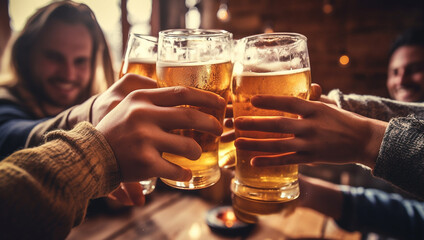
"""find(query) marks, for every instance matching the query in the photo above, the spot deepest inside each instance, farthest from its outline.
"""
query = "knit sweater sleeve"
(44, 191)
(376, 107)
(401, 156)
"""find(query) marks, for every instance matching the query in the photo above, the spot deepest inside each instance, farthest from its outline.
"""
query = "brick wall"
(364, 29)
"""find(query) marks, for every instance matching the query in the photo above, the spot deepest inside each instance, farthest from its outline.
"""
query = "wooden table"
(180, 215)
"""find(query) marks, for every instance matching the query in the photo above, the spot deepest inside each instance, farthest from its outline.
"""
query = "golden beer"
(248, 210)
(246, 85)
(143, 67)
(214, 77)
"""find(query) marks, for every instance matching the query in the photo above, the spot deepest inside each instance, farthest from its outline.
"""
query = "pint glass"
(275, 64)
(140, 58)
(200, 59)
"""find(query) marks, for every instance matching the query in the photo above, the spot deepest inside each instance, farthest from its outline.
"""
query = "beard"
(49, 92)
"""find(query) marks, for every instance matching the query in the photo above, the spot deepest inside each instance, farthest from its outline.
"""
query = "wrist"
(376, 129)
(81, 113)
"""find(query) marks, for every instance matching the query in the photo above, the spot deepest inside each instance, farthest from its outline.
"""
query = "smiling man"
(61, 65)
(59, 60)
(405, 78)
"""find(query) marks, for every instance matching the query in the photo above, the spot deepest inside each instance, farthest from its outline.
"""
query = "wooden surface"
(180, 215)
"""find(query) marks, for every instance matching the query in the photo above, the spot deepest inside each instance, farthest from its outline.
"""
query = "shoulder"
(6, 95)
(10, 106)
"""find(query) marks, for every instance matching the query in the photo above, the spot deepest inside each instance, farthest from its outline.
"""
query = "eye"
(394, 72)
(82, 61)
(416, 67)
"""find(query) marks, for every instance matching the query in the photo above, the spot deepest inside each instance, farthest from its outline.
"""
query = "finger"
(284, 103)
(269, 145)
(120, 195)
(228, 136)
(279, 160)
(179, 95)
(162, 167)
(270, 124)
(130, 82)
(177, 144)
(189, 118)
(316, 92)
(134, 191)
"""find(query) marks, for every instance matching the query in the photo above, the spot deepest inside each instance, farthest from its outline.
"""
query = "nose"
(68, 71)
(403, 77)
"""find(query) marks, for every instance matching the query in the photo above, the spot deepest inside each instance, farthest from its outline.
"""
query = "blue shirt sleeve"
(15, 125)
(387, 214)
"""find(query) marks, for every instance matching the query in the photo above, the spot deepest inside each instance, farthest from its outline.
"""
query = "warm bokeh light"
(195, 231)
(223, 14)
(327, 8)
(268, 29)
(344, 60)
(229, 218)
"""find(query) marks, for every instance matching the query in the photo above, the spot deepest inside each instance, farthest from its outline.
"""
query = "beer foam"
(142, 60)
(188, 64)
(282, 72)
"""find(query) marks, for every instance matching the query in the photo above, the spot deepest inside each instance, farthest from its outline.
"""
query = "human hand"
(106, 101)
(127, 194)
(137, 130)
(322, 134)
(319, 195)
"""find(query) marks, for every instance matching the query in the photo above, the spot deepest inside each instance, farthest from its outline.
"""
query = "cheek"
(84, 75)
(390, 83)
(419, 78)
(41, 69)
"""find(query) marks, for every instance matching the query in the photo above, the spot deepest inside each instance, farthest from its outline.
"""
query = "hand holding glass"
(275, 64)
(200, 59)
(140, 58)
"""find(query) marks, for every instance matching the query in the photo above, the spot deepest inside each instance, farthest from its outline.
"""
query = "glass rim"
(144, 36)
(194, 33)
(274, 34)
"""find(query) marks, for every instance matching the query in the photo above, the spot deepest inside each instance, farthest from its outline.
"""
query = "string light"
(344, 60)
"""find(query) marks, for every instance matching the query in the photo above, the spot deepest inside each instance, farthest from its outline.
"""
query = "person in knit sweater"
(56, 73)
(45, 190)
(392, 147)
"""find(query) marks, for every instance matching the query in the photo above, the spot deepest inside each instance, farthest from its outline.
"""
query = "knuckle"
(181, 92)
(190, 116)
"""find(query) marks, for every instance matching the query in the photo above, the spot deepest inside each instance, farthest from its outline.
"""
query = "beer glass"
(140, 58)
(201, 59)
(275, 64)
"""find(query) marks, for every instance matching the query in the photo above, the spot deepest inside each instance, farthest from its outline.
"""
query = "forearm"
(401, 157)
(44, 191)
(321, 196)
(375, 107)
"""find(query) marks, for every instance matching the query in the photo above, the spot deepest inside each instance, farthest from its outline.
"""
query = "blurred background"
(348, 39)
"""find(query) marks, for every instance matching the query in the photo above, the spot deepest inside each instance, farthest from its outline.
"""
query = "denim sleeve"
(390, 215)
(15, 125)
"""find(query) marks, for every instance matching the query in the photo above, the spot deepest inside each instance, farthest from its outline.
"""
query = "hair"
(411, 37)
(102, 75)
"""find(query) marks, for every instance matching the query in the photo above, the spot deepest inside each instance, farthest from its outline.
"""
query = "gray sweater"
(401, 157)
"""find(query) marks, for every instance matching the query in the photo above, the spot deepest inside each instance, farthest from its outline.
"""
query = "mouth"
(63, 86)
(407, 93)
